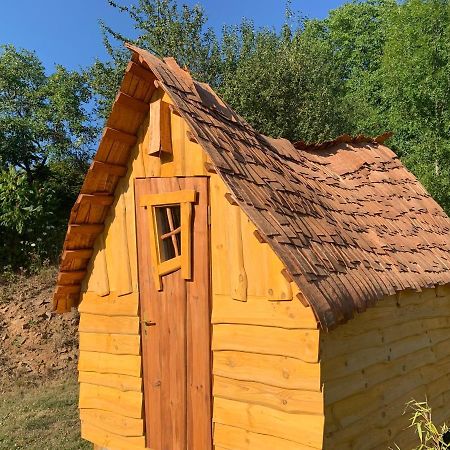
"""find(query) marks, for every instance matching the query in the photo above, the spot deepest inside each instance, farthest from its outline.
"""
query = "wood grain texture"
(107, 363)
(259, 311)
(372, 366)
(288, 400)
(94, 323)
(111, 305)
(176, 348)
(108, 440)
(121, 382)
(300, 344)
(128, 404)
(235, 438)
(278, 371)
(303, 429)
(115, 344)
(199, 376)
(112, 422)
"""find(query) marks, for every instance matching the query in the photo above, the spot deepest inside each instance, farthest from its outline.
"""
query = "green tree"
(415, 75)
(369, 67)
(45, 138)
(283, 82)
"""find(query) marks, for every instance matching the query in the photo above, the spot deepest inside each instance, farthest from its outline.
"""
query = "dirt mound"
(35, 343)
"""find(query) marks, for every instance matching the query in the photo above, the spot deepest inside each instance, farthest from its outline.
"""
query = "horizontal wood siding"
(266, 386)
(373, 365)
(267, 391)
(110, 366)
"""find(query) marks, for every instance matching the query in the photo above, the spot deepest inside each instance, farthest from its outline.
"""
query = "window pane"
(168, 220)
(167, 249)
(176, 215)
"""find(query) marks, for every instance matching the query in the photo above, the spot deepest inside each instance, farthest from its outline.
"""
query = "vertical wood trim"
(149, 310)
(239, 282)
(199, 427)
(125, 285)
(187, 230)
(102, 287)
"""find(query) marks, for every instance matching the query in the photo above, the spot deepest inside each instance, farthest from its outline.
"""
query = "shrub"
(430, 436)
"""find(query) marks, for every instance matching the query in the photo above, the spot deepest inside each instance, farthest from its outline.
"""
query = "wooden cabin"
(239, 292)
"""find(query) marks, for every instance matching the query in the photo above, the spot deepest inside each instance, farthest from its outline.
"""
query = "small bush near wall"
(430, 436)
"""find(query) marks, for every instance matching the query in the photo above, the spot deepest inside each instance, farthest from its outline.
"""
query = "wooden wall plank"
(238, 275)
(259, 311)
(124, 282)
(288, 400)
(116, 344)
(128, 404)
(112, 422)
(301, 344)
(199, 376)
(94, 323)
(234, 438)
(111, 305)
(107, 363)
(302, 428)
(377, 362)
(279, 371)
(121, 382)
(278, 288)
(110, 440)
(97, 279)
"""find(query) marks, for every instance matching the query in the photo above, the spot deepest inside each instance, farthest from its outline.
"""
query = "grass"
(41, 417)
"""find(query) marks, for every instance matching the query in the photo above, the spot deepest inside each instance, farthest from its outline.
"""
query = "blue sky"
(67, 31)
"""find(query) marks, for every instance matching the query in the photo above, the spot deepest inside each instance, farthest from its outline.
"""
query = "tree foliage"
(369, 67)
(45, 134)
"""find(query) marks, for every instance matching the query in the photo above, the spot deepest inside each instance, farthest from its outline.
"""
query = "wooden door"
(173, 257)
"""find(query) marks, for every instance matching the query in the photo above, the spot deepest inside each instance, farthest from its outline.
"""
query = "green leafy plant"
(46, 135)
(430, 436)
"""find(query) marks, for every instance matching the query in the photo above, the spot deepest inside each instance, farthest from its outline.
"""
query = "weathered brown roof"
(349, 222)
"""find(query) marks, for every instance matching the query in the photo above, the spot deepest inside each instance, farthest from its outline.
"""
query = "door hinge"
(209, 215)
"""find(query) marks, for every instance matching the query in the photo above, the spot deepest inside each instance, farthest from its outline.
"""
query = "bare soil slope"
(36, 345)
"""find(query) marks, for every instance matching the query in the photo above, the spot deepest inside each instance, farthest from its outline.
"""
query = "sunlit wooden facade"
(194, 334)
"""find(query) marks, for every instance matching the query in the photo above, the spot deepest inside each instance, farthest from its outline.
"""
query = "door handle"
(148, 323)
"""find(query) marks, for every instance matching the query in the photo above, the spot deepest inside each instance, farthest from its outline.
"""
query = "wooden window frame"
(184, 198)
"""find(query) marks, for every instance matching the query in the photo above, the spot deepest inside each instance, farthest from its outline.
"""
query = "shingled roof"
(349, 222)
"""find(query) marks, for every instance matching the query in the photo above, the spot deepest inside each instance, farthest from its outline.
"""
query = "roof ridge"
(344, 138)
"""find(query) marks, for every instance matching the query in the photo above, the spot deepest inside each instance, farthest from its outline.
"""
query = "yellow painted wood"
(107, 363)
(168, 198)
(278, 288)
(121, 382)
(259, 311)
(301, 344)
(117, 344)
(111, 441)
(288, 400)
(169, 266)
(234, 438)
(195, 157)
(302, 428)
(111, 305)
(279, 371)
(236, 267)
(128, 404)
(98, 280)
(115, 423)
(186, 240)
(94, 323)
(124, 282)
(221, 280)
(374, 364)
(178, 144)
